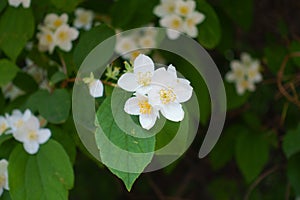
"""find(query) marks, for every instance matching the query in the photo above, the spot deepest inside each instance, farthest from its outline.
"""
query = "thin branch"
(259, 179)
(156, 190)
(63, 64)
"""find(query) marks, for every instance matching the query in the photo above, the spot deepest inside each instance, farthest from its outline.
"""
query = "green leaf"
(241, 12)
(274, 55)
(56, 107)
(89, 40)
(43, 176)
(16, 28)
(8, 71)
(116, 146)
(2, 5)
(127, 14)
(291, 142)
(234, 100)
(57, 77)
(210, 30)
(295, 47)
(293, 172)
(25, 82)
(5, 196)
(66, 5)
(251, 153)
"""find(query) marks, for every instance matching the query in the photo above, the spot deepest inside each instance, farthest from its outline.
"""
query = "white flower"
(174, 22)
(11, 91)
(3, 125)
(95, 86)
(168, 92)
(31, 135)
(3, 176)
(244, 73)
(147, 42)
(190, 23)
(18, 120)
(84, 18)
(184, 8)
(141, 78)
(17, 3)
(53, 21)
(125, 44)
(139, 105)
(46, 40)
(64, 36)
(166, 7)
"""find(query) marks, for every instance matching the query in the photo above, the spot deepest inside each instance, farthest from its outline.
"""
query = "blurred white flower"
(191, 22)
(3, 176)
(17, 119)
(46, 40)
(3, 125)
(11, 91)
(244, 73)
(31, 135)
(95, 86)
(141, 78)
(174, 22)
(53, 21)
(147, 41)
(125, 44)
(184, 8)
(84, 18)
(166, 7)
(168, 92)
(64, 35)
(17, 3)
(139, 105)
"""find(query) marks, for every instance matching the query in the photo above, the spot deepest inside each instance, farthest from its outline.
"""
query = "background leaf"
(8, 71)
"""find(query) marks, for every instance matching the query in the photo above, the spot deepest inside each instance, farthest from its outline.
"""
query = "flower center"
(238, 73)
(49, 38)
(167, 96)
(190, 22)
(144, 78)
(145, 107)
(32, 135)
(175, 24)
(84, 19)
(184, 10)
(3, 127)
(19, 123)
(2, 181)
(171, 8)
(252, 74)
(63, 36)
(57, 23)
(244, 84)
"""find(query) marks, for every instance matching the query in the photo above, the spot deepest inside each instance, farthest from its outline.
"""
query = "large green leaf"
(8, 71)
(25, 82)
(210, 30)
(66, 5)
(251, 153)
(119, 149)
(46, 175)
(293, 172)
(89, 40)
(291, 142)
(16, 28)
(127, 14)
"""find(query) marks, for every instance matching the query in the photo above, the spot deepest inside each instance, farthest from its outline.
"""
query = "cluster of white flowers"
(25, 128)
(56, 32)
(138, 40)
(155, 91)
(83, 18)
(179, 16)
(3, 176)
(17, 3)
(244, 73)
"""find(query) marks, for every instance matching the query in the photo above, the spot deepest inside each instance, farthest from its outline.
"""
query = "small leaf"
(66, 5)
(210, 30)
(8, 71)
(233, 99)
(16, 28)
(57, 77)
(293, 172)
(291, 142)
(251, 153)
(43, 176)
(25, 82)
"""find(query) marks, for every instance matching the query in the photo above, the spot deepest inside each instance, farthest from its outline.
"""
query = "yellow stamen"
(145, 107)
(167, 96)
(32, 135)
(144, 78)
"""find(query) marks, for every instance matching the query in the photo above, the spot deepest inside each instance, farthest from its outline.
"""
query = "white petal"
(143, 63)
(6, 186)
(66, 46)
(96, 88)
(163, 78)
(20, 135)
(1, 191)
(172, 70)
(14, 3)
(173, 34)
(230, 77)
(31, 147)
(43, 135)
(131, 106)
(26, 3)
(192, 31)
(183, 91)
(173, 112)
(128, 82)
(32, 123)
(147, 121)
(154, 97)
(27, 114)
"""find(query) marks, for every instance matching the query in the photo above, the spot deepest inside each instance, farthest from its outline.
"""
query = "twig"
(157, 191)
(63, 64)
(259, 179)
(280, 73)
